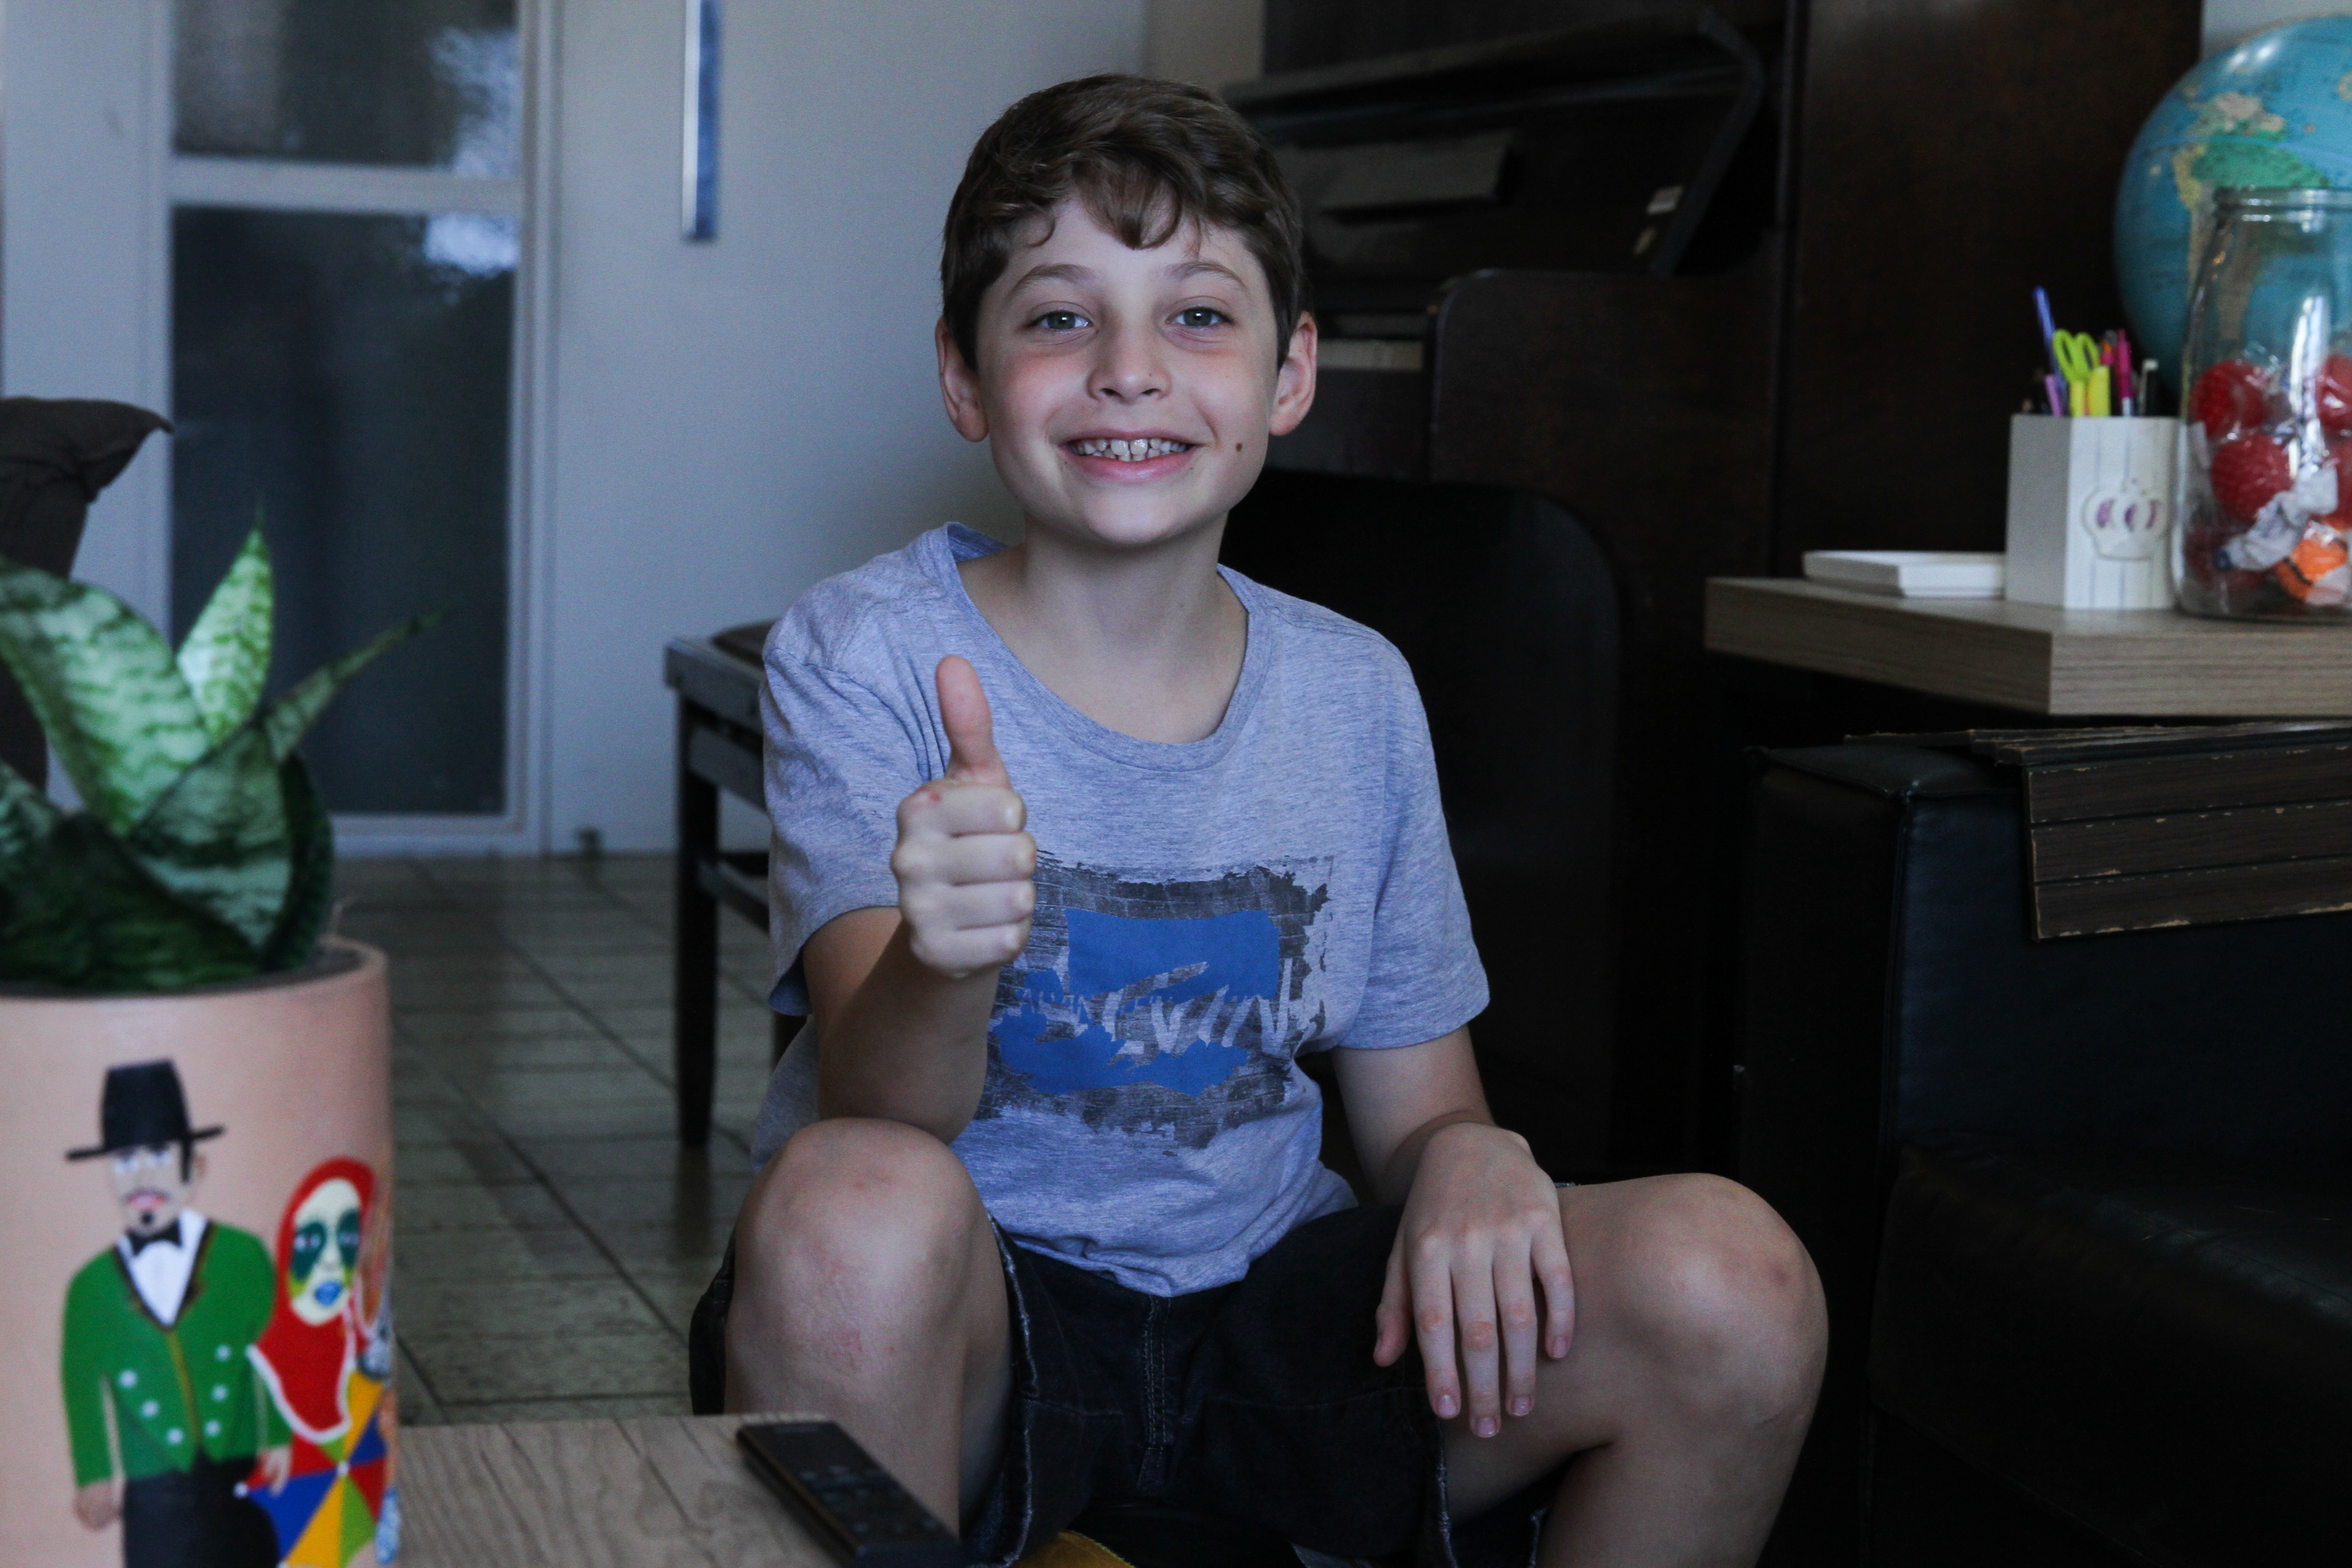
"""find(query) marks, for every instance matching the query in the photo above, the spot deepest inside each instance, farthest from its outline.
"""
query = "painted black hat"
(143, 1108)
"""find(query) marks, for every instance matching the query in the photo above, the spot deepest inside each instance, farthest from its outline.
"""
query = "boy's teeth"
(1136, 451)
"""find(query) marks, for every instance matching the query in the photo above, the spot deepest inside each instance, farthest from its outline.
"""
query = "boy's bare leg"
(1685, 1391)
(867, 1287)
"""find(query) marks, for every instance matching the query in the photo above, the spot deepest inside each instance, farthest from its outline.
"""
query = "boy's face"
(1127, 395)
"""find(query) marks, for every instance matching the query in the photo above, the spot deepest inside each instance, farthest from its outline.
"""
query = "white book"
(1910, 573)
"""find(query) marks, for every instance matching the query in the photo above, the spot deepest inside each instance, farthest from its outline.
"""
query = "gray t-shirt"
(1205, 911)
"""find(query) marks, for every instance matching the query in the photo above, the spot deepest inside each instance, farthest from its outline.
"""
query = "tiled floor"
(551, 1236)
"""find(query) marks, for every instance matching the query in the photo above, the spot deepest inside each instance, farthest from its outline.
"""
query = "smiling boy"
(1080, 844)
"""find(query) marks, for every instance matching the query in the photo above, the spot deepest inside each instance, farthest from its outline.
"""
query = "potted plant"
(198, 1112)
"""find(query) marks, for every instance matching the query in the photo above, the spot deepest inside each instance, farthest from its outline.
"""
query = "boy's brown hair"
(1146, 157)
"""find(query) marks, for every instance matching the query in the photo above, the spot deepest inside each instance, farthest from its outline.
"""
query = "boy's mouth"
(1137, 449)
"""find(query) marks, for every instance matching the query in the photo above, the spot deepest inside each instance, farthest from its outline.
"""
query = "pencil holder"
(2090, 511)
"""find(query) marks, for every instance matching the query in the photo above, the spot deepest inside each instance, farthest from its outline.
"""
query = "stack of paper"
(1910, 573)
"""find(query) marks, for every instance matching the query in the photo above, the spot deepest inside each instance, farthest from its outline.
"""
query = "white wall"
(82, 255)
(2227, 21)
(1211, 42)
(734, 421)
(727, 423)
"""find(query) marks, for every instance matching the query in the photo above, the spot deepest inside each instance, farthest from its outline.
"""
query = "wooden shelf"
(2035, 659)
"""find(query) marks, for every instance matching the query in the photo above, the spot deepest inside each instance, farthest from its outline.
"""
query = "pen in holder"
(2090, 511)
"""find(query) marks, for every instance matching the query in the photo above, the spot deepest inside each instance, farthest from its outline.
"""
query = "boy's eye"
(1061, 320)
(1198, 316)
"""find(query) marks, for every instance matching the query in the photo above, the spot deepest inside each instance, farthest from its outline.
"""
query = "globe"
(2274, 111)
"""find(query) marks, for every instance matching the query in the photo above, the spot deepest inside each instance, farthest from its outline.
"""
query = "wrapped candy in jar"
(2265, 489)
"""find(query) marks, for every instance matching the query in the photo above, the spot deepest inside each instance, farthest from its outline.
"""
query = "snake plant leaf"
(27, 817)
(217, 837)
(309, 895)
(286, 719)
(226, 654)
(84, 916)
(104, 686)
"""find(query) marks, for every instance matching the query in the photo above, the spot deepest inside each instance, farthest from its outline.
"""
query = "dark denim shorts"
(1255, 1401)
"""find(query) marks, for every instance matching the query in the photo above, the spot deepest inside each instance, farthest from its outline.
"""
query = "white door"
(300, 228)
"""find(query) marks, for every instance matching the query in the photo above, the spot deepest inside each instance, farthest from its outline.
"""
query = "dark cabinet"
(1846, 205)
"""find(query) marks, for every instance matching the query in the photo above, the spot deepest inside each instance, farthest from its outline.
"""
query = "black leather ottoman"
(56, 455)
(2074, 1203)
(2159, 1350)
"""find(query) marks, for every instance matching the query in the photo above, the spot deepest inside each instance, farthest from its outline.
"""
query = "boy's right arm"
(901, 998)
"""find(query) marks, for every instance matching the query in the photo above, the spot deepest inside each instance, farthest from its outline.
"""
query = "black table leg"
(695, 960)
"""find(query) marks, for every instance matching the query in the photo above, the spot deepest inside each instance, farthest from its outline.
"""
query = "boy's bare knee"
(852, 1210)
(854, 1253)
(1724, 1300)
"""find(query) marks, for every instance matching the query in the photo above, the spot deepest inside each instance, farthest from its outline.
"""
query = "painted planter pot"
(197, 1305)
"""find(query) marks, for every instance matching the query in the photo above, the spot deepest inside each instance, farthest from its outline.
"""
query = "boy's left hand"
(1481, 1229)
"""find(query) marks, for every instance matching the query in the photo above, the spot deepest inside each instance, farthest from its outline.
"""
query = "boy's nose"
(1131, 368)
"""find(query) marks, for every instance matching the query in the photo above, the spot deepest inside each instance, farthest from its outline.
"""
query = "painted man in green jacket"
(156, 1329)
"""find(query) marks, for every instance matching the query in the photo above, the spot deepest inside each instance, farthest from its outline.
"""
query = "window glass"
(349, 376)
(427, 83)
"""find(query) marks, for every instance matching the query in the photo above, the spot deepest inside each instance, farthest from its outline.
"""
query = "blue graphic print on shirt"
(1185, 981)
(1173, 1008)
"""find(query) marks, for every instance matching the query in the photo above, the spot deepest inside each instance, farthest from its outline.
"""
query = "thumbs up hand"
(972, 733)
(965, 868)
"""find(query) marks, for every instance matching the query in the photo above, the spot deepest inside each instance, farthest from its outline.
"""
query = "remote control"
(852, 1504)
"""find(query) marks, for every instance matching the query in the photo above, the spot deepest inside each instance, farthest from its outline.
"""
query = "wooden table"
(2037, 658)
(668, 1491)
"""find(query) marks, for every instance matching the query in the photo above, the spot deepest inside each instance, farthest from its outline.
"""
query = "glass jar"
(2266, 412)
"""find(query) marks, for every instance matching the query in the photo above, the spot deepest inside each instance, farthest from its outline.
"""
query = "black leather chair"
(56, 455)
(2083, 1207)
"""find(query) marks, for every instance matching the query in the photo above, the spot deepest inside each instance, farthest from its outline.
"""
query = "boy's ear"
(1294, 379)
(958, 387)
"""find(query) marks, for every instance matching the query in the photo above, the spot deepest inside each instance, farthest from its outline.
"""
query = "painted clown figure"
(168, 1427)
(326, 1360)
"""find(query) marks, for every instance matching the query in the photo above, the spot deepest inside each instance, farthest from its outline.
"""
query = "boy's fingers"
(1389, 1335)
(1473, 1305)
(966, 859)
(944, 806)
(1430, 1276)
(1550, 1260)
(972, 736)
(1515, 1304)
(958, 953)
(978, 906)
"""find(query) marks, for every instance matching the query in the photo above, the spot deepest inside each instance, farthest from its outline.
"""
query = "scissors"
(2087, 378)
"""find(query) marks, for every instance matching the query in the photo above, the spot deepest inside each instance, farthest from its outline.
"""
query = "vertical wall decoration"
(700, 190)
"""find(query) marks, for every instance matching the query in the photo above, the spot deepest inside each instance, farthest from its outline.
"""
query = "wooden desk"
(668, 1491)
(2035, 659)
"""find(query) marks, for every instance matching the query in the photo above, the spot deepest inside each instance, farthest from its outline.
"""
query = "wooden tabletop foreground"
(667, 1491)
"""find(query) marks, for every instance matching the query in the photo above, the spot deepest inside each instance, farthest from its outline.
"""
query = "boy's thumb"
(972, 736)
